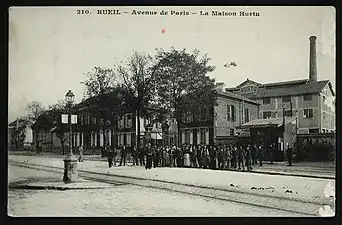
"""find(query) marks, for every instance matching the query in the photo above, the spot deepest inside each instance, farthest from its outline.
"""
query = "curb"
(294, 174)
(47, 187)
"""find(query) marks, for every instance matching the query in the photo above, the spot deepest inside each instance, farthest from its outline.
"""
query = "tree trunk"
(104, 136)
(178, 132)
(138, 130)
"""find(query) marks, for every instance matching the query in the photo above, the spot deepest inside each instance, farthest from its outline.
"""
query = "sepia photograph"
(182, 111)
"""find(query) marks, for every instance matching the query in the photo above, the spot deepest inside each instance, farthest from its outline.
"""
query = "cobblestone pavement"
(123, 200)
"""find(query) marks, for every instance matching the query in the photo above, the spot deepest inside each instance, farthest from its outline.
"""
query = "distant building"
(27, 138)
(312, 101)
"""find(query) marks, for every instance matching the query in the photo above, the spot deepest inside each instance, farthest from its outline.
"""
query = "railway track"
(281, 204)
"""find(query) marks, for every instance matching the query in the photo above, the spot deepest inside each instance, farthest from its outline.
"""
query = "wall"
(327, 109)
(316, 147)
(222, 125)
(298, 104)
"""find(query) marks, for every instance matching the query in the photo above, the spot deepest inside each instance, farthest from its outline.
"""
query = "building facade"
(219, 120)
(311, 101)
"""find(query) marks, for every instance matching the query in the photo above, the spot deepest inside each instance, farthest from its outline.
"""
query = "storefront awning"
(266, 123)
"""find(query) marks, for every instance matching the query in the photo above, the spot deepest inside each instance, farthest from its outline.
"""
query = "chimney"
(220, 86)
(313, 60)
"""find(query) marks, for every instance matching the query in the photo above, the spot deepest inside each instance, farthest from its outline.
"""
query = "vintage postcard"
(127, 111)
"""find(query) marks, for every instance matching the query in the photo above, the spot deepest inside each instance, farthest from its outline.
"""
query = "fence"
(315, 147)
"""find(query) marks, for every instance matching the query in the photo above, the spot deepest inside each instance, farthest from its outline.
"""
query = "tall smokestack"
(313, 60)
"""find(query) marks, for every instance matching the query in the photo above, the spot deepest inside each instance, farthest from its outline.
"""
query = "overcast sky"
(51, 48)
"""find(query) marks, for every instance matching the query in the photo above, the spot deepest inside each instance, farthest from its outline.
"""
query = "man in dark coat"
(234, 157)
(260, 154)
(141, 153)
(149, 157)
(123, 155)
(248, 158)
(109, 153)
(270, 153)
(220, 157)
(135, 156)
(205, 157)
(289, 154)
(254, 153)
(180, 157)
(240, 156)
(199, 156)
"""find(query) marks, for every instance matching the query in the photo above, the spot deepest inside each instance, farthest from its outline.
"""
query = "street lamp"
(70, 162)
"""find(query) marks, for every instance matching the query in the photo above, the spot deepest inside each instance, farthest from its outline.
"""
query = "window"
(231, 113)
(231, 131)
(286, 99)
(308, 113)
(129, 120)
(94, 120)
(266, 101)
(324, 99)
(307, 97)
(187, 117)
(246, 115)
(187, 137)
(81, 120)
(228, 113)
(324, 115)
(203, 130)
(288, 113)
(266, 115)
(124, 120)
(88, 119)
(204, 115)
(128, 139)
(313, 131)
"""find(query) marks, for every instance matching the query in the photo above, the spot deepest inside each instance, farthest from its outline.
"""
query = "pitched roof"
(270, 122)
(306, 88)
(236, 96)
(274, 84)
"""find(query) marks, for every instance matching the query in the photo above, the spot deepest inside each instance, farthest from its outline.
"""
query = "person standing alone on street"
(123, 155)
(80, 149)
(289, 154)
(110, 154)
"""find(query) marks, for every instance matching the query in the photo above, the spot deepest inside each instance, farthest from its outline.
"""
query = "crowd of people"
(235, 157)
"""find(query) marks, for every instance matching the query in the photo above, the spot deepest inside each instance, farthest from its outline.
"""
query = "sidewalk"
(324, 170)
(275, 185)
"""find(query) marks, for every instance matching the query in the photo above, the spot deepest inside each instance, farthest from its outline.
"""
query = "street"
(164, 192)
